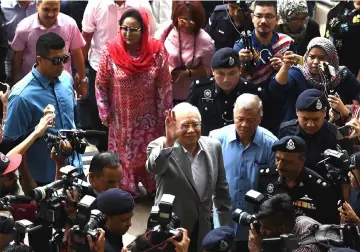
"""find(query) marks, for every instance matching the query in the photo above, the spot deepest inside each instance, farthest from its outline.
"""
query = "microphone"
(18, 199)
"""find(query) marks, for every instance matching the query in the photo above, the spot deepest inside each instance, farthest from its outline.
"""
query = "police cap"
(219, 239)
(290, 144)
(312, 100)
(114, 202)
(225, 58)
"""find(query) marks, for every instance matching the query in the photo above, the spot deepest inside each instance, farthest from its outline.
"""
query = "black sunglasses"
(57, 61)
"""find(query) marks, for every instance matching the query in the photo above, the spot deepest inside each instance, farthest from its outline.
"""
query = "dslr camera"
(75, 136)
(87, 221)
(337, 164)
(243, 218)
(162, 222)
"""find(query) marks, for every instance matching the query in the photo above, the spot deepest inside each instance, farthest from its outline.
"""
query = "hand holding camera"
(254, 243)
(348, 215)
(99, 245)
(183, 245)
(355, 125)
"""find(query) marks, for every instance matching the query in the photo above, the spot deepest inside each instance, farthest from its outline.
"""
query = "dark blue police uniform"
(216, 107)
(327, 137)
(222, 28)
(312, 195)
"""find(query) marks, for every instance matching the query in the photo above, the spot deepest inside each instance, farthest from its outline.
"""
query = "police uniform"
(114, 202)
(219, 239)
(312, 195)
(327, 137)
(216, 107)
(221, 30)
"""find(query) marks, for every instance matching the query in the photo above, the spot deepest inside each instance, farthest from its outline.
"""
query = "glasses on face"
(185, 21)
(129, 29)
(186, 126)
(266, 16)
(57, 61)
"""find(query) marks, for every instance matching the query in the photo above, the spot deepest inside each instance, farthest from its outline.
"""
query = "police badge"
(290, 145)
(223, 245)
(207, 93)
(319, 105)
(270, 188)
(231, 61)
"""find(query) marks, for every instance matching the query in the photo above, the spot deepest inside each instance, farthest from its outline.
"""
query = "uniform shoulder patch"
(288, 123)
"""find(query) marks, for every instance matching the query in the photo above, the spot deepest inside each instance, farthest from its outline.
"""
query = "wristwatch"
(85, 80)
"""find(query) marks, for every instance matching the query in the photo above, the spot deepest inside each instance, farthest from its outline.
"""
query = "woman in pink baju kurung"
(133, 90)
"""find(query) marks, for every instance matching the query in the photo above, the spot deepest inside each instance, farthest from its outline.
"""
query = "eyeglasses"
(186, 126)
(266, 16)
(186, 21)
(57, 61)
(129, 29)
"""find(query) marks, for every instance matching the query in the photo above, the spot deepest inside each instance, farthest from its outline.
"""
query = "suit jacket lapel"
(184, 163)
(209, 166)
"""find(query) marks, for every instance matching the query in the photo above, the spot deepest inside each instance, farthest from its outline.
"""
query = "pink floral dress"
(135, 105)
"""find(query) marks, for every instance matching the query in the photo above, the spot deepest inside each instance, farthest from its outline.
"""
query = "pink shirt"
(29, 30)
(102, 19)
(204, 50)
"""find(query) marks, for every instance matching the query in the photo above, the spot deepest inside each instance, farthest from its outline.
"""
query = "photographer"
(117, 205)
(305, 187)
(277, 217)
(347, 214)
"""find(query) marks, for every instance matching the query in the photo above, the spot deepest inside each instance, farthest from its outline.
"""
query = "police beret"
(219, 239)
(114, 202)
(290, 144)
(312, 100)
(355, 160)
(225, 58)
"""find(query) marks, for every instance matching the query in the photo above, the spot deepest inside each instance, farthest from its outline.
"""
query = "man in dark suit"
(191, 168)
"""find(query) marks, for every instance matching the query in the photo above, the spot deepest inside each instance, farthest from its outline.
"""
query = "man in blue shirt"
(47, 83)
(246, 149)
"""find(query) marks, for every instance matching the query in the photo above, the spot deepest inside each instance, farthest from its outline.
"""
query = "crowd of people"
(205, 101)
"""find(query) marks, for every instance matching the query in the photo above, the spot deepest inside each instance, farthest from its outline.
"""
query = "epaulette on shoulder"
(221, 7)
(203, 81)
(315, 178)
(288, 123)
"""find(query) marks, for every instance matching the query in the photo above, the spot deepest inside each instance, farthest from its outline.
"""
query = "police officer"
(311, 194)
(117, 205)
(219, 239)
(227, 22)
(311, 125)
(215, 97)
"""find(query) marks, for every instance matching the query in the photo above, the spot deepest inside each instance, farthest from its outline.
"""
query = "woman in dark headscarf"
(295, 22)
(338, 83)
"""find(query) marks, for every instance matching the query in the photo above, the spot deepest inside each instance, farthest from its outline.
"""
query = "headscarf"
(149, 46)
(332, 59)
(288, 9)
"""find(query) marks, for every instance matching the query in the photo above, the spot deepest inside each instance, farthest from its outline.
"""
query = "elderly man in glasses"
(191, 168)
(47, 83)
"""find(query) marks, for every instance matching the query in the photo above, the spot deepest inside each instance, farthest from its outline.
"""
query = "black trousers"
(193, 247)
(242, 246)
(89, 114)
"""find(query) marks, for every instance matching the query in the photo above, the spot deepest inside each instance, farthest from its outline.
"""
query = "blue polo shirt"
(242, 167)
(27, 100)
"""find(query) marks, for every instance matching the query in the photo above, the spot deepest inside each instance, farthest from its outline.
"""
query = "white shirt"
(162, 10)
(102, 19)
(198, 170)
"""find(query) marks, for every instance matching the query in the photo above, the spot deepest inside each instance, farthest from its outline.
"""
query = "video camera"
(87, 221)
(162, 222)
(50, 197)
(243, 218)
(338, 165)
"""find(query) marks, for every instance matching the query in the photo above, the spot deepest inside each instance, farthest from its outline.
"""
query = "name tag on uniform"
(220, 31)
(207, 100)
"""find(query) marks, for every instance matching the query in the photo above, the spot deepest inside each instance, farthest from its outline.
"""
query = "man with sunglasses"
(47, 83)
